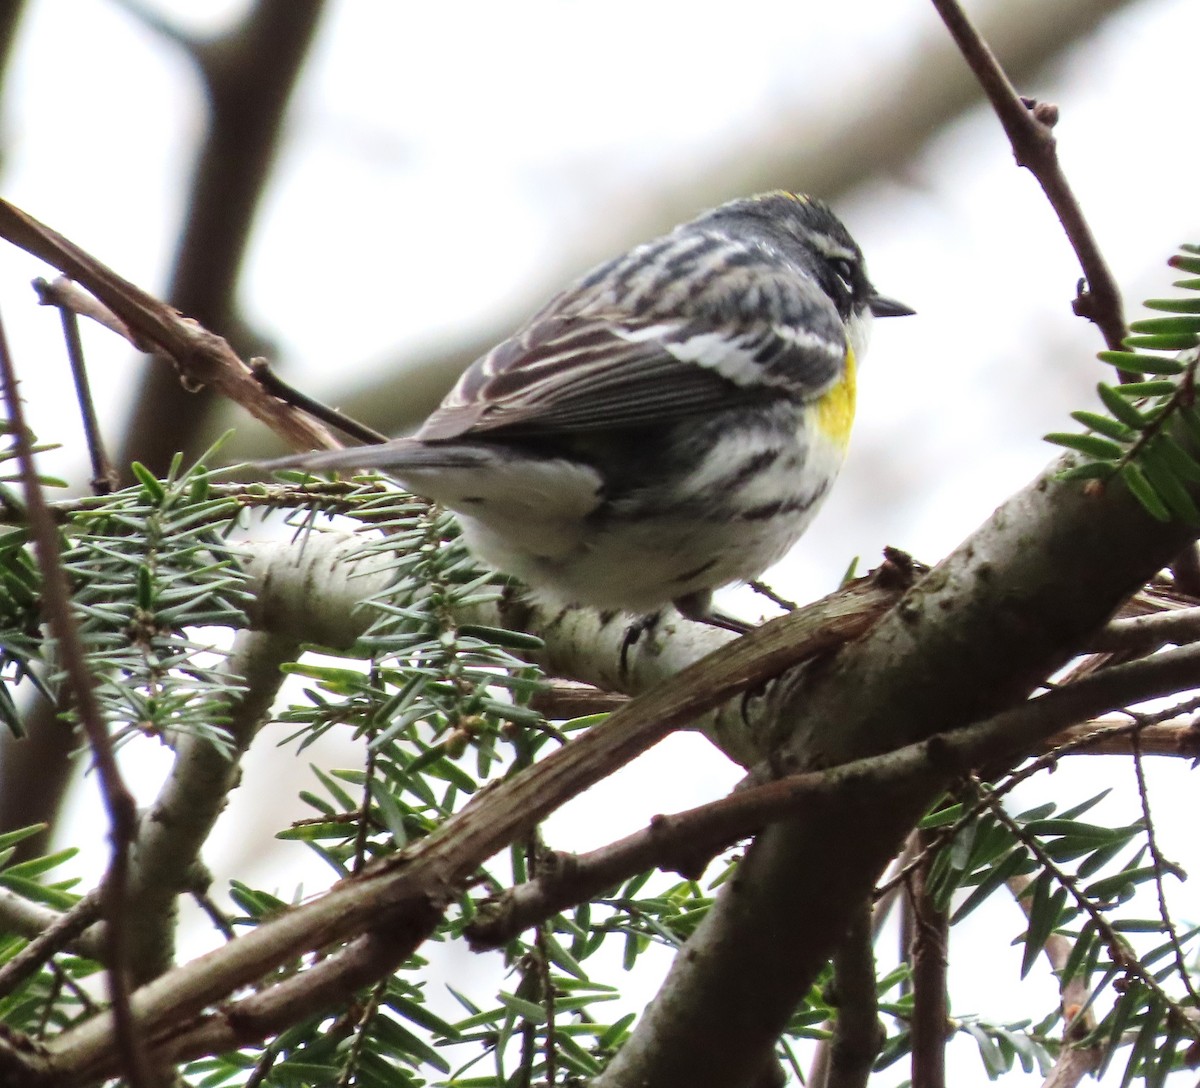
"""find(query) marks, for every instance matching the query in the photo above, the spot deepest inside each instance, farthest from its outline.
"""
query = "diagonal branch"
(1029, 127)
(203, 358)
(1074, 1062)
(50, 932)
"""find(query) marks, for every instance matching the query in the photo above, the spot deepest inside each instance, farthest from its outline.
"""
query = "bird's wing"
(655, 353)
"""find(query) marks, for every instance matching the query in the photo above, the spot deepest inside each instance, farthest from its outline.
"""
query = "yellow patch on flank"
(835, 410)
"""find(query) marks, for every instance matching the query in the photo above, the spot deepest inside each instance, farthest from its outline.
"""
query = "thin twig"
(1078, 1018)
(684, 841)
(364, 809)
(215, 915)
(289, 394)
(104, 477)
(262, 1068)
(1108, 737)
(560, 700)
(1161, 868)
(550, 1036)
(52, 996)
(1091, 738)
(1123, 957)
(118, 801)
(65, 294)
(765, 590)
(1029, 127)
(328, 496)
(57, 936)
(81, 995)
(369, 1012)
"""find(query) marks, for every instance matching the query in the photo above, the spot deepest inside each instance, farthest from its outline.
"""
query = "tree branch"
(201, 357)
(118, 801)
(49, 932)
(104, 478)
(684, 841)
(1143, 634)
(858, 1035)
(179, 822)
(929, 956)
(1074, 1062)
(1029, 127)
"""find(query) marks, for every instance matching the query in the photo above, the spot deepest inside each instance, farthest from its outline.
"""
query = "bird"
(666, 425)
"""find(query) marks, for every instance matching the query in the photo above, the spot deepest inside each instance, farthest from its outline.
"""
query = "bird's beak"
(888, 307)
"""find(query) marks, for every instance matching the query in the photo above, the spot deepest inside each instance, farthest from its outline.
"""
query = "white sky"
(440, 157)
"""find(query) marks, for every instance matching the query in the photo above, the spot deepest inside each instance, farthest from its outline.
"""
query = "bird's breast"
(834, 416)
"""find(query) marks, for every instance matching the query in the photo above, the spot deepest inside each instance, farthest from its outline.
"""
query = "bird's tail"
(399, 454)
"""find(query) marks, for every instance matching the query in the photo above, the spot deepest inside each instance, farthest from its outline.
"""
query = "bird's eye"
(844, 270)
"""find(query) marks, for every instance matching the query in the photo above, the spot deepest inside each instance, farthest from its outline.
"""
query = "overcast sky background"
(441, 157)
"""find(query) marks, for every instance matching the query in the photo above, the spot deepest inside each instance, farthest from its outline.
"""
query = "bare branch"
(1112, 737)
(289, 394)
(202, 358)
(562, 699)
(104, 479)
(1142, 634)
(68, 296)
(118, 801)
(685, 841)
(858, 1035)
(1162, 868)
(928, 953)
(51, 932)
(1029, 127)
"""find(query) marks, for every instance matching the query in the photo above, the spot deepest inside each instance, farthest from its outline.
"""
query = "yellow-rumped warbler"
(668, 424)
